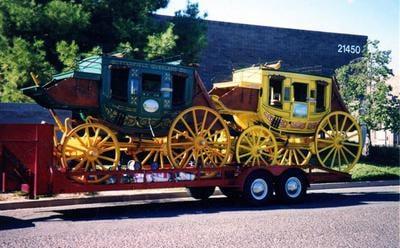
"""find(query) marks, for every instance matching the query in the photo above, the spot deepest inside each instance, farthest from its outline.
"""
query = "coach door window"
(119, 83)
(300, 105)
(321, 92)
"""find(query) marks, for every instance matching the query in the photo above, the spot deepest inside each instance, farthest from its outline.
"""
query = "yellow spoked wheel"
(338, 141)
(90, 147)
(293, 155)
(256, 146)
(198, 137)
(153, 151)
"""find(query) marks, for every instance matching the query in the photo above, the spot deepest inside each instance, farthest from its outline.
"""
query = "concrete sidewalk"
(11, 202)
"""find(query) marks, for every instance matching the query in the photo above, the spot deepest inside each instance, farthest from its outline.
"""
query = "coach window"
(119, 83)
(275, 91)
(151, 82)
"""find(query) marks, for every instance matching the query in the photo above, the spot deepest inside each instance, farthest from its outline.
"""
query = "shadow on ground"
(213, 205)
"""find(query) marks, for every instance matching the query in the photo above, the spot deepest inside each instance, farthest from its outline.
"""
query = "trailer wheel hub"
(259, 189)
(293, 187)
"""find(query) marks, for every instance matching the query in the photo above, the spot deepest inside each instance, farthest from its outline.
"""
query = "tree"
(191, 31)
(365, 91)
(49, 36)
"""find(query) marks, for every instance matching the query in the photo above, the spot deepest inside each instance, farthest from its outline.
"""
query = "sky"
(378, 19)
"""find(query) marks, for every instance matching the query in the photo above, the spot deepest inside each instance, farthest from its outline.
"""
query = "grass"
(373, 172)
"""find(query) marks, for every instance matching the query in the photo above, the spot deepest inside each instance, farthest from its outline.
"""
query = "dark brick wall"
(233, 46)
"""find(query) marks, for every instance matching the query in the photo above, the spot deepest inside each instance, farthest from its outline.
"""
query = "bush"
(383, 155)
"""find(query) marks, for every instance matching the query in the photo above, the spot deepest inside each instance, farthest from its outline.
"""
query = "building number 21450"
(342, 48)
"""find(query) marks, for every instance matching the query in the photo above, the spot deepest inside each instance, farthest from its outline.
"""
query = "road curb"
(116, 196)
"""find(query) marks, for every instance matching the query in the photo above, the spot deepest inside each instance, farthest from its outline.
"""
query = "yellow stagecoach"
(285, 118)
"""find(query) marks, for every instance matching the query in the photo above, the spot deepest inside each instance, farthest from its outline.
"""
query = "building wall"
(233, 46)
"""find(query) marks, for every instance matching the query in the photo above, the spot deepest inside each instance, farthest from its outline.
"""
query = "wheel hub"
(293, 187)
(259, 189)
(200, 142)
(92, 153)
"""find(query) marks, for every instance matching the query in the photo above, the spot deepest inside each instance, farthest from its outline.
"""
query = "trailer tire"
(231, 193)
(291, 187)
(201, 193)
(258, 188)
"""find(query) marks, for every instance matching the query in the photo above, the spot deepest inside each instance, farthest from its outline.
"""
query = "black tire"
(258, 188)
(291, 187)
(201, 193)
(231, 193)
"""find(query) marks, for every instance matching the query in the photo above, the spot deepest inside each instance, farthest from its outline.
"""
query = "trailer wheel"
(201, 193)
(231, 193)
(291, 187)
(258, 188)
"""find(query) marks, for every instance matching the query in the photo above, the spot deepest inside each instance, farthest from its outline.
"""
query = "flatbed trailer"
(27, 163)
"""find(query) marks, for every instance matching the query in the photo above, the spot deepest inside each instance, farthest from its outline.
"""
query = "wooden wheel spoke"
(245, 154)
(248, 160)
(203, 123)
(326, 141)
(111, 148)
(302, 155)
(103, 140)
(188, 127)
(351, 126)
(351, 144)
(351, 136)
(195, 124)
(261, 157)
(350, 152)
(96, 135)
(343, 124)
(212, 125)
(106, 158)
(181, 144)
(334, 157)
(87, 136)
(267, 154)
(249, 142)
(74, 157)
(296, 159)
(245, 147)
(79, 165)
(183, 133)
(75, 148)
(79, 139)
(329, 154)
(326, 148)
(337, 122)
(184, 152)
(87, 166)
(344, 156)
(330, 124)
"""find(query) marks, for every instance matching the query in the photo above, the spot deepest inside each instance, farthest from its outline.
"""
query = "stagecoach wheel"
(153, 151)
(90, 147)
(338, 141)
(292, 155)
(256, 146)
(198, 137)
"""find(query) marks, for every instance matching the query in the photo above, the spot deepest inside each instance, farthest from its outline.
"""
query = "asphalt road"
(354, 217)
